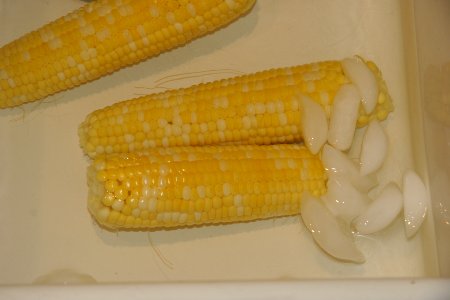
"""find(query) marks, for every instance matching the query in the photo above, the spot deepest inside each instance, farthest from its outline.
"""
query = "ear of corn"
(173, 187)
(102, 37)
(260, 108)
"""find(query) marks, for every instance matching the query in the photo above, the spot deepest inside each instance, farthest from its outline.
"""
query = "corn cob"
(260, 108)
(183, 186)
(102, 37)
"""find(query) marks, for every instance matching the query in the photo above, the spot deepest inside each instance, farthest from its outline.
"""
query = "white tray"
(44, 223)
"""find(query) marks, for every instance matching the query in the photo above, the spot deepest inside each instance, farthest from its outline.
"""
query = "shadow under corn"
(143, 238)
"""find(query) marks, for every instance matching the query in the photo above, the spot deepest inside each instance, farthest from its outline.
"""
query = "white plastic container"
(45, 229)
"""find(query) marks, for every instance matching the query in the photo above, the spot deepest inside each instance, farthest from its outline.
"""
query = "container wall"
(432, 23)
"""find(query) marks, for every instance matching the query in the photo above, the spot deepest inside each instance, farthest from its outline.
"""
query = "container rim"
(404, 288)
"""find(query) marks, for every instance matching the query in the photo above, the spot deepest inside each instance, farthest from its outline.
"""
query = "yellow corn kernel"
(219, 198)
(260, 108)
(100, 38)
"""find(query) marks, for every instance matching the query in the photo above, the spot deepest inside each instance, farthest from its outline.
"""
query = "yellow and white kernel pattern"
(259, 108)
(102, 37)
(184, 186)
